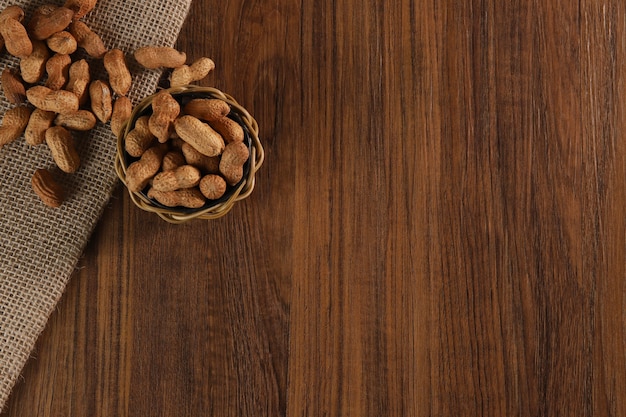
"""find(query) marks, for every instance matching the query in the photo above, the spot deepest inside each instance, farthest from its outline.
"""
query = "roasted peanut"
(122, 108)
(212, 186)
(172, 160)
(82, 120)
(13, 87)
(230, 130)
(199, 135)
(15, 37)
(207, 164)
(62, 43)
(165, 109)
(139, 139)
(33, 67)
(62, 148)
(185, 176)
(231, 164)
(13, 124)
(79, 80)
(87, 39)
(187, 74)
(13, 11)
(58, 67)
(58, 101)
(188, 198)
(48, 20)
(140, 172)
(207, 109)
(101, 100)
(47, 188)
(39, 122)
(119, 75)
(153, 57)
(80, 7)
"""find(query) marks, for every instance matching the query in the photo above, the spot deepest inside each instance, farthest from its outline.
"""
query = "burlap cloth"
(39, 246)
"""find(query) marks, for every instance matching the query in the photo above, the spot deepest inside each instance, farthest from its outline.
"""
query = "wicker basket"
(213, 209)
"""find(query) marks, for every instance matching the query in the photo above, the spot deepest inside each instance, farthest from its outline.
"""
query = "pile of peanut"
(54, 95)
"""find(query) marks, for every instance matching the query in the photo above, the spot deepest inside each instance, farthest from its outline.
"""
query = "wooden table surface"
(438, 228)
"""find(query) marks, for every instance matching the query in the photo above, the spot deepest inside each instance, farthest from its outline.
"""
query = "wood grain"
(438, 229)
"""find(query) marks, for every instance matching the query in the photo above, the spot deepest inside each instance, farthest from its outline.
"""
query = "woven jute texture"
(40, 246)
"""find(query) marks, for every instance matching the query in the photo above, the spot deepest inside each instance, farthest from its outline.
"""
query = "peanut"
(165, 109)
(62, 43)
(33, 67)
(207, 109)
(172, 160)
(212, 186)
(16, 38)
(58, 67)
(101, 100)
(189, 198)
(140, 172)
(207, 164)
(13, 87)
(185, 176)
(82, 120)
(230, 130)
(39, 122)
(87, 39)
(47, 188)
(13, 124)
(232, 161)
(119, 75)
(199, 135)
(122, 108)
(153, 57)
(79, 80)
(61, 145)
(48, 20)
(58, 101)
(13, 11)
(139, 139)
(80, 7)
(187, 74)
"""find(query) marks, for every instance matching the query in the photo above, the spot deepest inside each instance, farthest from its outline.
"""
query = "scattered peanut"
(122, 108)
(187, 74)
(82, 120)
(207, 109)
(13, 124)
(212, 186)
(62, 43)
(189, 198)
(47, 188)
(48, 20)
(101, 100)
(233, 159)
(58, 67)
(199, 135)
(39, 122)
(62, 149)
(139, 138)
(58, 101)
(153, 57)
(79, 80)
(13, 87)
(87, 39)
(80, 7)
(16, 38)
(33, 67)
(165, 110)
(119, 75)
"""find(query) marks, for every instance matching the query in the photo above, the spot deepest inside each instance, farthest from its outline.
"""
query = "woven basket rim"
(244, 189)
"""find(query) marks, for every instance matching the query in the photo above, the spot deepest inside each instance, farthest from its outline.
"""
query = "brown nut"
(199, 135)
(62, 149)
(187, 74)
(13, 11)
(15, 37)
(172, 160)
(58, 101)
(206, 164)
(119, 75)
(139, 139)
(47, 188)
(13, 124)
(101, 100)
(87, 39)
(58, 67)
(212, 186)
(33, 67)
(185, 176)
(62, 43)
(13, 87)
(207, 109)
(153, 57)
(140, 172)
(39, 122)
(122, 108)
(230, 130)
(165, 109)
(48, 20)
(79, 80)
(80, 7)
(82, 120)
(233, 159)
(189, 198)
